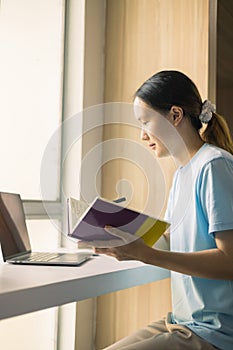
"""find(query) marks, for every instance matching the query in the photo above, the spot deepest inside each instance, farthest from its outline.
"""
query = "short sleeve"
(169, 210)
(216, 194)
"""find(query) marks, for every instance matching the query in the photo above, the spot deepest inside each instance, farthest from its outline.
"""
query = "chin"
(161, 153)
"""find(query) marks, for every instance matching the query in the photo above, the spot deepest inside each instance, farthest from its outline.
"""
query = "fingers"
(120, 238)
(103, 251)
(84, 244)
(102, 243)
(110, 252)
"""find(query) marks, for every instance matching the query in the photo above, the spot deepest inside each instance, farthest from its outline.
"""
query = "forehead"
(143, 111)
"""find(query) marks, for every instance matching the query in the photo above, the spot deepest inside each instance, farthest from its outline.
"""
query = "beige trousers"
(162, 335)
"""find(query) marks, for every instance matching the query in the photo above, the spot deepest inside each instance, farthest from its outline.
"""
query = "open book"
(87, 222)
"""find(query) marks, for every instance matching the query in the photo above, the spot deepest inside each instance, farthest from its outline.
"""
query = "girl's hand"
(124, 246)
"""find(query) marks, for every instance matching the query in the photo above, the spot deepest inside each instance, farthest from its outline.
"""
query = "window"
(31, 84)
(32, 40)
(42, 82)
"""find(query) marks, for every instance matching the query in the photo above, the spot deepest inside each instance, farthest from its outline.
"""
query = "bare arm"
(213, 263)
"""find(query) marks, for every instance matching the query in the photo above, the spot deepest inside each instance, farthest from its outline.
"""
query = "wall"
(224, 68)
(142, 37)
(93, 91)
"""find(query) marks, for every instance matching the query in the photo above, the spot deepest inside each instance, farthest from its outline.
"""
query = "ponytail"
(217, 133)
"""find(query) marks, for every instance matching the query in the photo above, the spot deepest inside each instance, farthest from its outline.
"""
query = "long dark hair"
(168, 88)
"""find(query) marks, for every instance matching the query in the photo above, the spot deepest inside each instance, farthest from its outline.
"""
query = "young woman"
(200, 210)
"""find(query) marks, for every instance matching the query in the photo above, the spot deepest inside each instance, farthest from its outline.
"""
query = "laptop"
(14, 238)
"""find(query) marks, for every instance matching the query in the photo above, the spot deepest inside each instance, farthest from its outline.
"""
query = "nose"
(144, 135)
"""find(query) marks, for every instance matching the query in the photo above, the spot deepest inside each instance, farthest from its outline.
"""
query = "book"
(87, 222)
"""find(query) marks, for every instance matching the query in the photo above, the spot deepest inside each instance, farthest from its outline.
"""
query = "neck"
(193, 143)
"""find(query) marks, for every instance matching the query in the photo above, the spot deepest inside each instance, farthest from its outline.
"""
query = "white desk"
(25, 289)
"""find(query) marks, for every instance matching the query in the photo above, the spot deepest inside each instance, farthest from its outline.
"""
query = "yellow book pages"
(151, 230)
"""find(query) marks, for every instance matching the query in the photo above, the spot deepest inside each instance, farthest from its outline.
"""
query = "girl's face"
(153, 127)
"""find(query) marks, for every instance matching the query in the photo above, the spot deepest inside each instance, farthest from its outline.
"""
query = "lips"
(152, 145)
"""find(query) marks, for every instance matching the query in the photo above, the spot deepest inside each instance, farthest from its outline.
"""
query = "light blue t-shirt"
(200, 204)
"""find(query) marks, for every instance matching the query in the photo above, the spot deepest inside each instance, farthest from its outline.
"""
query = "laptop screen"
(13, 230)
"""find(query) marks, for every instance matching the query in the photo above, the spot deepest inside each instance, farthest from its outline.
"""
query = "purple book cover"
(102, 213)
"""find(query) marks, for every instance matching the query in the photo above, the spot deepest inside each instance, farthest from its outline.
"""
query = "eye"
(145, 123)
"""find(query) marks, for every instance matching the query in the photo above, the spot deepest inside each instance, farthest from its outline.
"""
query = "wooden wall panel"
(143, 37)
(121, 313)
(224, 91)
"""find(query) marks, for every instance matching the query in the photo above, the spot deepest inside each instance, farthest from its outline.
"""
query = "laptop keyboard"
(43, 256)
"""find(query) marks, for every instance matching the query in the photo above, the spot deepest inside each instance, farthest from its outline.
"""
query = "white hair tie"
(207, 111)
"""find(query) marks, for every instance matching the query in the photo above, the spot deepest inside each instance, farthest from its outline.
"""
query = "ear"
(176, 115)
